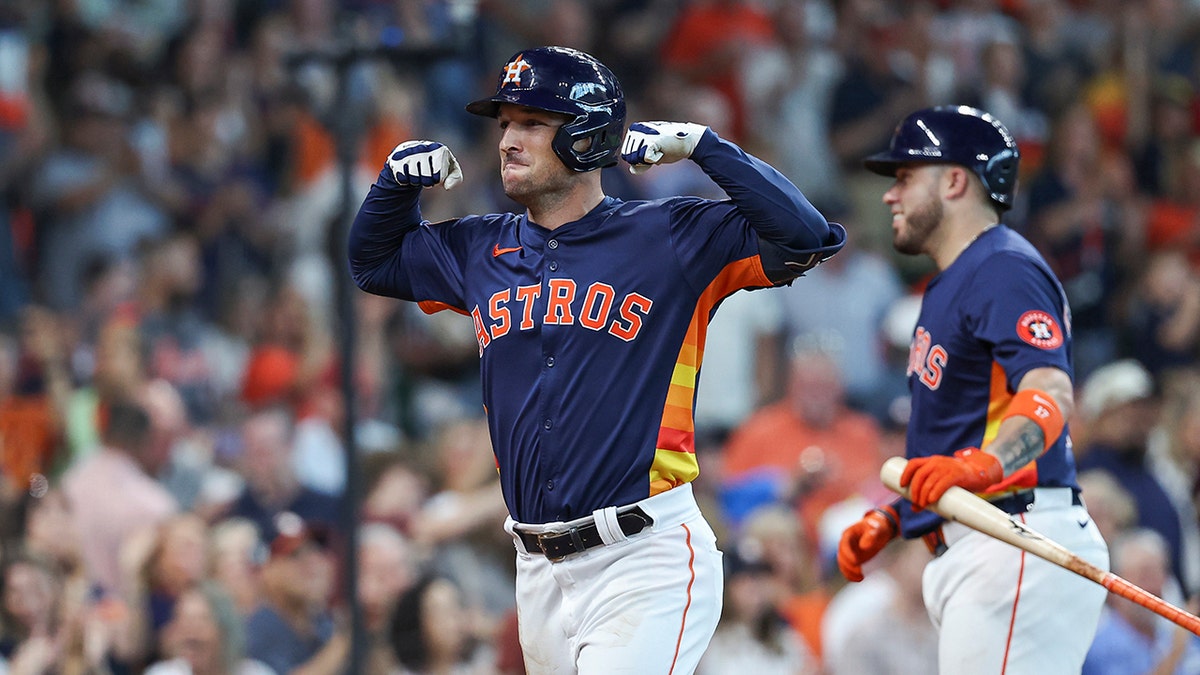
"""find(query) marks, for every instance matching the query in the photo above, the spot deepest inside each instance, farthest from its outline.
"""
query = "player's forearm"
(1021, 439)
(388, 213)
(774, 207)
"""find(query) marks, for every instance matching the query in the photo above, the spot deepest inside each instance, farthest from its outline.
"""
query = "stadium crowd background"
(170, 414)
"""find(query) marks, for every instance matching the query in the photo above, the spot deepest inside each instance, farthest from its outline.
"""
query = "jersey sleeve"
(394, 252)
(1017, 308)
(791, 235)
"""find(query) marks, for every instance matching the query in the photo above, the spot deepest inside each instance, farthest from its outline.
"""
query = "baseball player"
(989, 370)
(591, 315)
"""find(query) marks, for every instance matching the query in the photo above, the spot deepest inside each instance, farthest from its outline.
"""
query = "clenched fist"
(424, 164)
(928, 478)
(650, 143)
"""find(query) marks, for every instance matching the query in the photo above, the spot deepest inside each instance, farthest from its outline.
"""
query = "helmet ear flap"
(591, 141)
(1000, 175)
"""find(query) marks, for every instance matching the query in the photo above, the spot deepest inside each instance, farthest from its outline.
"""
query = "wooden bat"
(976, 513)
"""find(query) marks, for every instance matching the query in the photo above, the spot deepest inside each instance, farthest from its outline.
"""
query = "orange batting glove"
(928, 478)
(862, 540)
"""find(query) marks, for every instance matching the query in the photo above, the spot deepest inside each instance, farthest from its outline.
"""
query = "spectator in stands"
(387, 568)
(811, 446)
(236, 554)
(1118, 404)
(1162, 326)
(90, 193)
(895, 638)
(205, 636)
(1173, 455)
(113, 496)
(800, 594)
(34, 386)
(432, 632)
(271, 486)
(843, 304)
(752, 636)
(294, 626)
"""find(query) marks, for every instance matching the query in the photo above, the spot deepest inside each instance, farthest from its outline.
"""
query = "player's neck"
(554, 211)
(960, 240)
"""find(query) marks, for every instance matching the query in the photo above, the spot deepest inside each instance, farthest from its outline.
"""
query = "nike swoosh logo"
(1082, 523)
(497, 251)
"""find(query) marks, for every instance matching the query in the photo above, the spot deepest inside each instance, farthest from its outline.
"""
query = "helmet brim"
(484, 107)
(490, 106)
(882, 164)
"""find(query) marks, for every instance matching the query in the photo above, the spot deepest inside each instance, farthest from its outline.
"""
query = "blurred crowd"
(171, 402)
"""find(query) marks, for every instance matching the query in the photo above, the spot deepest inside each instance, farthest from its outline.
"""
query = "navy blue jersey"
(591, 335)
(993, 315)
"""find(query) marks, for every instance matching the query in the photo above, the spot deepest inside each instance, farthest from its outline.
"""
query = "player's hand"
(650, 143)
(424, 164)
(862, 540)
(928, 478)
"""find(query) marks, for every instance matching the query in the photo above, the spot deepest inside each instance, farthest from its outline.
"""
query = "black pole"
(346, 121)
(347, 130)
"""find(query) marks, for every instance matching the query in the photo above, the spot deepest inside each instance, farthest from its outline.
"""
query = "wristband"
(1040, 407)
(890, 514)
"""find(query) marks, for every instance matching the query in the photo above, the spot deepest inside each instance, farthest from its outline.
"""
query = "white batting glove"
(650, 143)
(424, 164)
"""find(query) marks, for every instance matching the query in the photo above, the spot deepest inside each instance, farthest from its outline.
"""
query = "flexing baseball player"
(591, 315)
(989, 370)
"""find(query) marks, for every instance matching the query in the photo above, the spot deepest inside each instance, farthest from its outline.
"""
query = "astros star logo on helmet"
(513, 70)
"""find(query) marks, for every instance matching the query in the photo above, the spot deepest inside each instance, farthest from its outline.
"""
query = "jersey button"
(549, 361)
(549, 486)
(548, 424)
(553, 243)
(553, 265)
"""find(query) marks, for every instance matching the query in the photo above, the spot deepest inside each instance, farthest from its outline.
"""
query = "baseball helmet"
(955, 134)
(570, 82)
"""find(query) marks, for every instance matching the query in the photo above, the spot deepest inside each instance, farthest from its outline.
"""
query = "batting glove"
(650, 143)
(424, 164)
(864, 539)
(928, 478)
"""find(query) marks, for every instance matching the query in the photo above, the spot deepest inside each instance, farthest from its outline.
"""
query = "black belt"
(1020, 502)
(558, 545)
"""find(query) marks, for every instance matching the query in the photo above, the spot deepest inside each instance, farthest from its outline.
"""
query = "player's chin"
(515, 187)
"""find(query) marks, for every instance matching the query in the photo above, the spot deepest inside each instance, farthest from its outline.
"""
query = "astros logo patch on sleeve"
(1039, 329)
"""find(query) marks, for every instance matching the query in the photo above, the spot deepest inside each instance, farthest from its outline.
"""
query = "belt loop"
(518, 540)
(607, 525)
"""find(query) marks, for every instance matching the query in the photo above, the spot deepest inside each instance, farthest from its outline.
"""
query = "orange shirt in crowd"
(28, 435)
(776, 437)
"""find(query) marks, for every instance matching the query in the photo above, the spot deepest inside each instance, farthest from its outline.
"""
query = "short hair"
(126, 425)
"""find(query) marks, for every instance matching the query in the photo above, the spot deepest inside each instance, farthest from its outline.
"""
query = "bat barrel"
(1134, 593)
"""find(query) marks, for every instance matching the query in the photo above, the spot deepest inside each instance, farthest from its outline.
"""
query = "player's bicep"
(709, 235)
(1019, 310)
(433, 262)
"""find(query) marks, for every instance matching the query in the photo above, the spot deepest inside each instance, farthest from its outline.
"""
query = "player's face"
(916, 207)
(529, 169)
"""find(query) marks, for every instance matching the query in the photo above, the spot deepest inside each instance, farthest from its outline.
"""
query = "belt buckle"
(575, 540)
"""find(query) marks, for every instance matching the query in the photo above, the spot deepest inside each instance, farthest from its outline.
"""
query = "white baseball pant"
(645, 604)
(1002, 611)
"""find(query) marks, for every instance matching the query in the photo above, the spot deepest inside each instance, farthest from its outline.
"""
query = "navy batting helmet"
(567, 81)
(955, 134)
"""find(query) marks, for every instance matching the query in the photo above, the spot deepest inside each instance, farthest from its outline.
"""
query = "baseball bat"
(965, 507)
